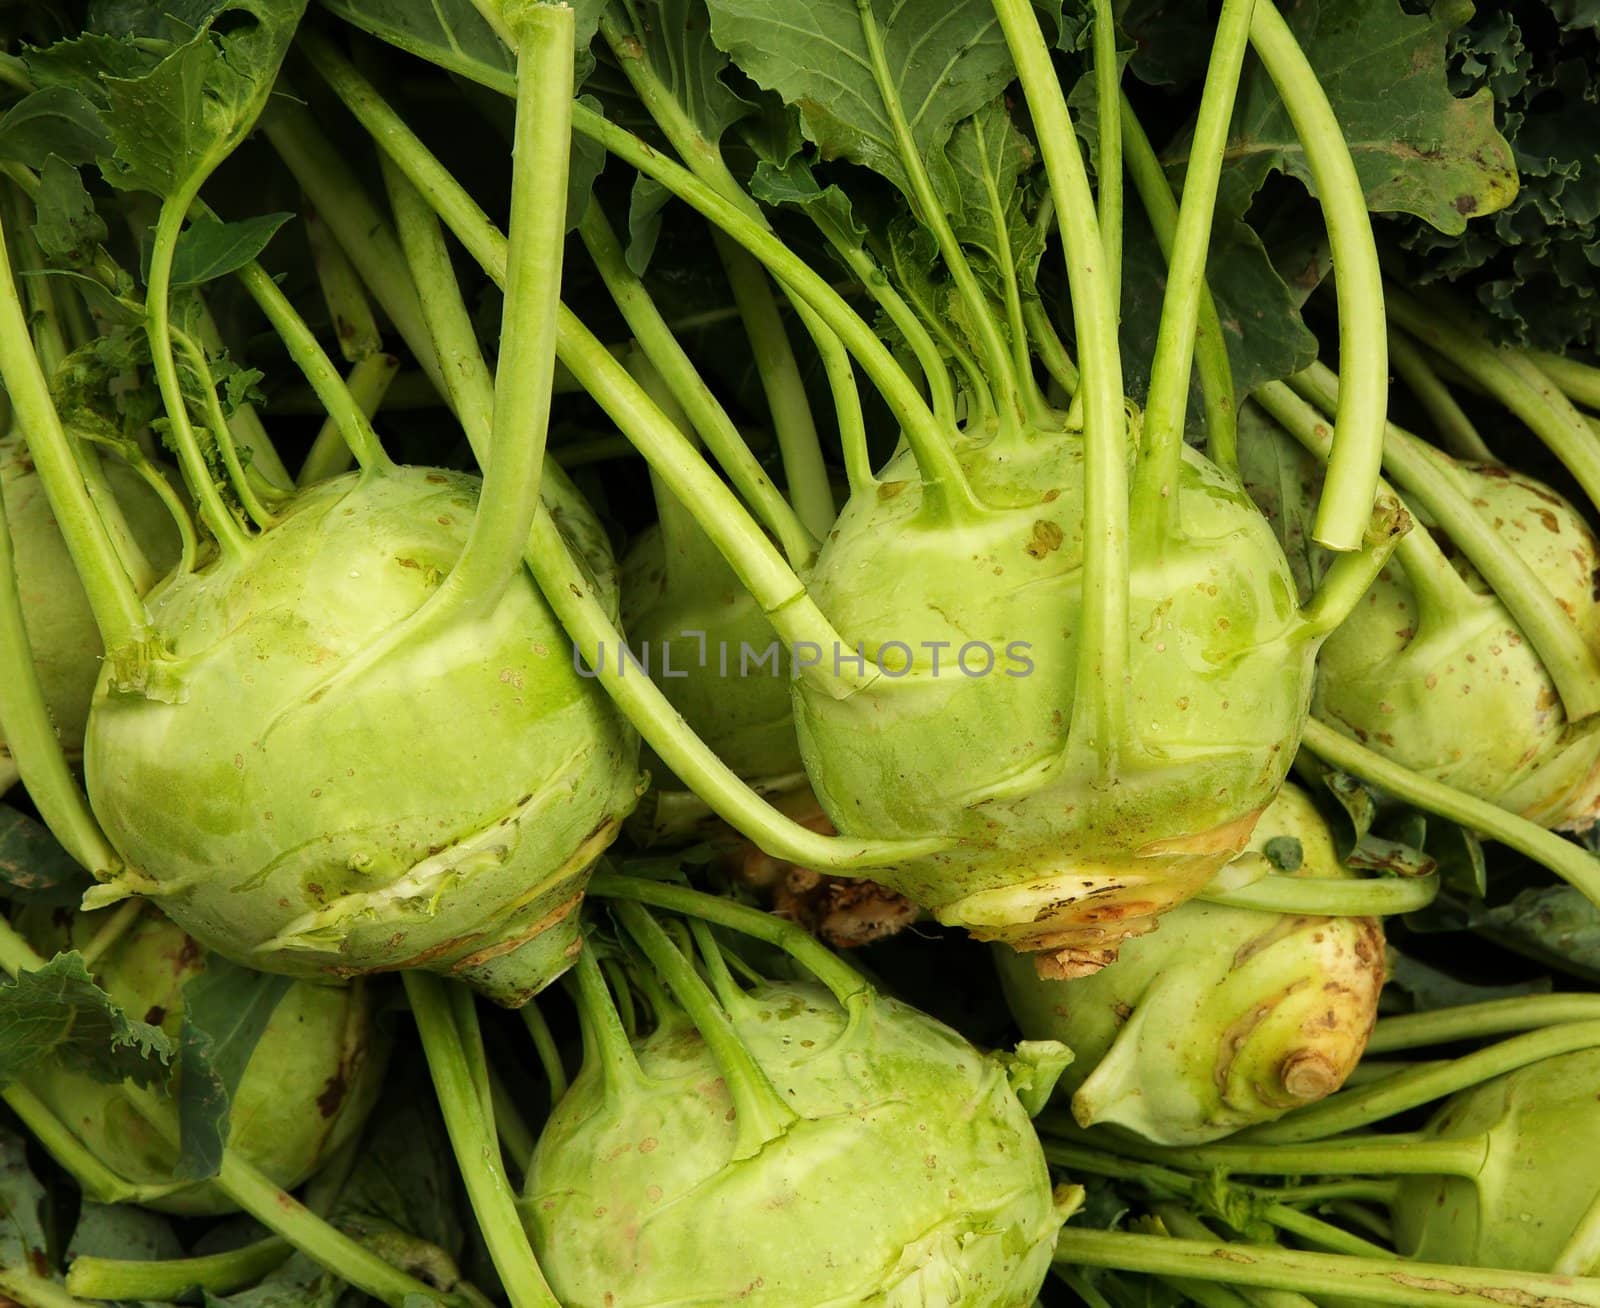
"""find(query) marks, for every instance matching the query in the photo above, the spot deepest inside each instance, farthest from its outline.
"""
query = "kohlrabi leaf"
(225, 1010)
(1426, 987)
(54, 120)
(405, 1186)
(176, 122)
(944, 59)
(988, 157)
(795, 183)
(1418, 149)
(672, 39)
(33, 863)
(69, 227)
(298, 1283)
(454, 35)
(1557, 925)
(58, 1014)
(123, 1231)
(645, 203)
(208, 249)
(23, 1244)
(83, 60)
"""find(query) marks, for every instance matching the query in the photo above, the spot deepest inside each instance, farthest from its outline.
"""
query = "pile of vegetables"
(753, 652)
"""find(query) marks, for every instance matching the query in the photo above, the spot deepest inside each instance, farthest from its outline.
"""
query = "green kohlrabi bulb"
(911, 1177)
(1056, 845)
(1222, 1017)
(308, 1087)
(1402, 682)
(439, 808)
(61, 631)
(1539, 1129)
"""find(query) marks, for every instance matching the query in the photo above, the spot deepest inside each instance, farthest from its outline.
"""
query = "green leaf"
(795, 183)
(947, 59)
(208, 249)
(69, 228)
(454, 35)
(33, 863)
(674, 38)
(1417, 148)
(178, 120)
(1427, 987)
(53, 121)
(645, 202)
(123, 1231)
(988, 159)
(22, 1237)
(225, 1010)
(59, 1014)
(1284, 481)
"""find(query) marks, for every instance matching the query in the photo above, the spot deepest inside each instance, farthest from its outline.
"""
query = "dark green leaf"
(208, 249)
(69, 228)
(32, 862)
(59, 1014)
(54, 120)
(989, 158)
(946, 60)
(225, 1010)
(22, 1236)
(645, 203)
(123, 1231)
(1417, 148)
(1557, 923)
(1427, 987)
(1284, 853)
(673, 38)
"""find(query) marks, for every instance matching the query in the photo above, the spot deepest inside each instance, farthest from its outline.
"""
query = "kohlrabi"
(310, 1082)
(1223, 1017)
(65, 641)
(1123, 669)
(784, 1142)
(351, 738)
(1487, 609)
(1534, 1185)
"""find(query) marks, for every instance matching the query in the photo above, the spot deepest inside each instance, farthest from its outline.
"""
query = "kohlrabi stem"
(493, 554)
(940, 470)
(1437, 486)
(116, 606)
(1155, 485)
(842, 980)
(570, 593)
(1442, 1026)
(710, 420)
(1412, 1154)
(248, 430)
(776, 365)
(477, 1151)
(324, 175)
(544, 1045)
(925, 202)
(25, 722)
(517, 1140)
(110, 928)
(1578, 381)
(1347, 494)
(1515, 381)
(221, 433)
(607, 1036)
(1184, 1225)
(1572, 863)
(1048, 346)
(162, 1280)
(1454, 430)
(368, 382)
(1210, 346)
(1350, 1110)
(1329, 897)
(214, 512)
(841, 374)
(21, 1286)
(1108, 161)
(354, 325)
(760, 1115)
(317, 368)
(1264, 1202)
(799, 446)
(1321, 1275)
(1098, 726)
(728, 991)
(464, 1012)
